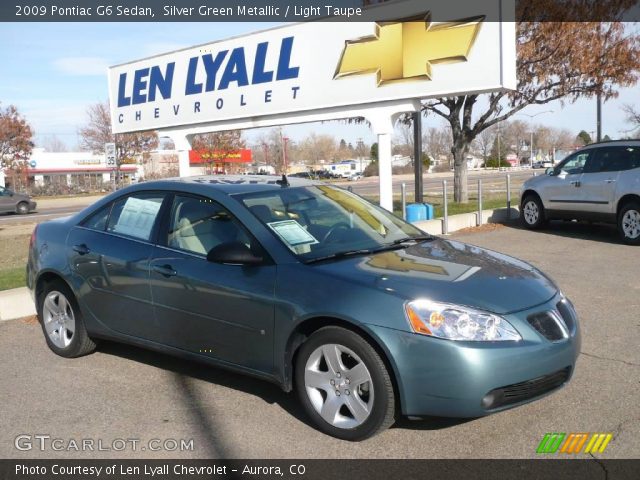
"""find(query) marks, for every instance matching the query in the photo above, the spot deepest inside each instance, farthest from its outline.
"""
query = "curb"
(467, 220)
(16, 303)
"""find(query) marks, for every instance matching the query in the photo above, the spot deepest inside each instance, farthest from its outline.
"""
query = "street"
(492, 181)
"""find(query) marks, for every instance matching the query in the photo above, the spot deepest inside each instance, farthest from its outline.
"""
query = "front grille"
(568, 314)
(549, 325)
(520, 392)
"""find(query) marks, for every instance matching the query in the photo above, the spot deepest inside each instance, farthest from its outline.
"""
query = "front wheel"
(344, 385)
(532, 214)
(629, 223)
(22, 208)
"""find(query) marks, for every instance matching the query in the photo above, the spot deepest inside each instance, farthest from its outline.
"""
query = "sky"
(53, 71)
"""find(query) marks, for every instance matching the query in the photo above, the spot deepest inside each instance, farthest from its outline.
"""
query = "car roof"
(631, 143)
(232, 184)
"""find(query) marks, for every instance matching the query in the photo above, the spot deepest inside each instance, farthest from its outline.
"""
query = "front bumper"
(32, 205)
(454, 379)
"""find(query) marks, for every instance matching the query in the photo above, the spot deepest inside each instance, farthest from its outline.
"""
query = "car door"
(109, 258)
(221, 311)
(7, 204)
(600, 178)
(562, 190)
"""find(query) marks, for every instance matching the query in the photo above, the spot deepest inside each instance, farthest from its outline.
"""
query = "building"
(69, 171)
(216, 162)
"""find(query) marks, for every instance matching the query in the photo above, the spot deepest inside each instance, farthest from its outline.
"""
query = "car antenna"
(283, 182)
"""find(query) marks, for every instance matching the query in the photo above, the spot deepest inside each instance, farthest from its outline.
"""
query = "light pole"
(531, 117)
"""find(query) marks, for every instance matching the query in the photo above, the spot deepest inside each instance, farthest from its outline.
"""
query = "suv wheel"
(62, 322)
(22, 208)
(629, 223)
(344, 385)
(532, 214)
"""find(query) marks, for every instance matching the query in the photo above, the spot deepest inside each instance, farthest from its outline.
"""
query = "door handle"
(165, 270)
(82, 249)
(610, 180)
(575, 183)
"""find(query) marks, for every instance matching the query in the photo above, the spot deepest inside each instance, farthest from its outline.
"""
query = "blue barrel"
(430, 215)
(416, 212)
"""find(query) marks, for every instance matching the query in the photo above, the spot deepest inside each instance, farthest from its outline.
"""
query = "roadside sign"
(110, 154)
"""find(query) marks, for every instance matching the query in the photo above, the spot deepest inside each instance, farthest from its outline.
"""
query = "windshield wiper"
(365, 251)
(349, 253)
(417, 238)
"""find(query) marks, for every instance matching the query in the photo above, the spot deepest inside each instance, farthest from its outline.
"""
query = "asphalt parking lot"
(122, 392)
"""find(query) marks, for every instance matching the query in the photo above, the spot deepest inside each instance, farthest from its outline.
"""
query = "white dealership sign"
(308, 67)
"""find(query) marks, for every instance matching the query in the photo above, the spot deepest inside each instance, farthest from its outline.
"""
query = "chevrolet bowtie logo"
(405, 50)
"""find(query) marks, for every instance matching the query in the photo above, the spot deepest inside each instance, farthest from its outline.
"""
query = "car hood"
(449, 271)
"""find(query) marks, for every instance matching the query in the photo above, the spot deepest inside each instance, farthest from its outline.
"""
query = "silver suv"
(600, 182)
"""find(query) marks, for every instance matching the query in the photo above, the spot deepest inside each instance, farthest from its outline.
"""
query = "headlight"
(454, 322)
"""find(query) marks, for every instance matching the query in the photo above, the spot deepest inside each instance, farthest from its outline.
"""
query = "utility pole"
(599, 118)
(417, 155)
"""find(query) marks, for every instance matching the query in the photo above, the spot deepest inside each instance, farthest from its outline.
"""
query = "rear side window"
(98, 220)
(616, 159)
(135, 215)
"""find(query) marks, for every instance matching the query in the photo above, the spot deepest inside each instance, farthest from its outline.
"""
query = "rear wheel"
(344, 385)
(629, 223)
(532, 215)
(62, 322)
(22, 208)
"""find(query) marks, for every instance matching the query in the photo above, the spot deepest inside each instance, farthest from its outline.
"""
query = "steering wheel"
(334, 229)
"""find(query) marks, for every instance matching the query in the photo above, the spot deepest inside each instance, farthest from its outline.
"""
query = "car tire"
(328, 391)
(629, 223)
(62, 322)
(22, 208)
(532, 214)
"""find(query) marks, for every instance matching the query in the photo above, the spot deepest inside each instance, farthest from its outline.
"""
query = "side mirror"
(549, 171)
(233, 253)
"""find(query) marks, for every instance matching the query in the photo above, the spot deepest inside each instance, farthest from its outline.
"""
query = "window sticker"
(137, 217)
(292, 233)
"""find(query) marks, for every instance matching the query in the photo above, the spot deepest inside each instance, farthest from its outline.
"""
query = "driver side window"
(199, 224)
(574, 165)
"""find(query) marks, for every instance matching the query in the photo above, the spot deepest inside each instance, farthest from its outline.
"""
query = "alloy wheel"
(339, 386)
(631, 224)
(531, 212)
(59, 320)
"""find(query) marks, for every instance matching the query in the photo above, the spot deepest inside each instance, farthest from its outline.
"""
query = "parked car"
(354, 177)
(600, 182)
(542, 164)
(11, 201)
(309, 286)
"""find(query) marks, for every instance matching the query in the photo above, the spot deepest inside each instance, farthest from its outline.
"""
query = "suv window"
(135, 215)
(621, 158)
(5, 192)
(613, 159)
(198, 224)
(574, 164)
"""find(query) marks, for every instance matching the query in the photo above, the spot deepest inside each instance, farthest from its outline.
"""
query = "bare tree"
(54, 144)
(484, 142)
(318, 147)
(555, 61)
(437, 143)
(218, 146)
(633, 117)
(130, 147)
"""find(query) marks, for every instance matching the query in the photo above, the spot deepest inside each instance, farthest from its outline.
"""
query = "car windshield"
(320, 222)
